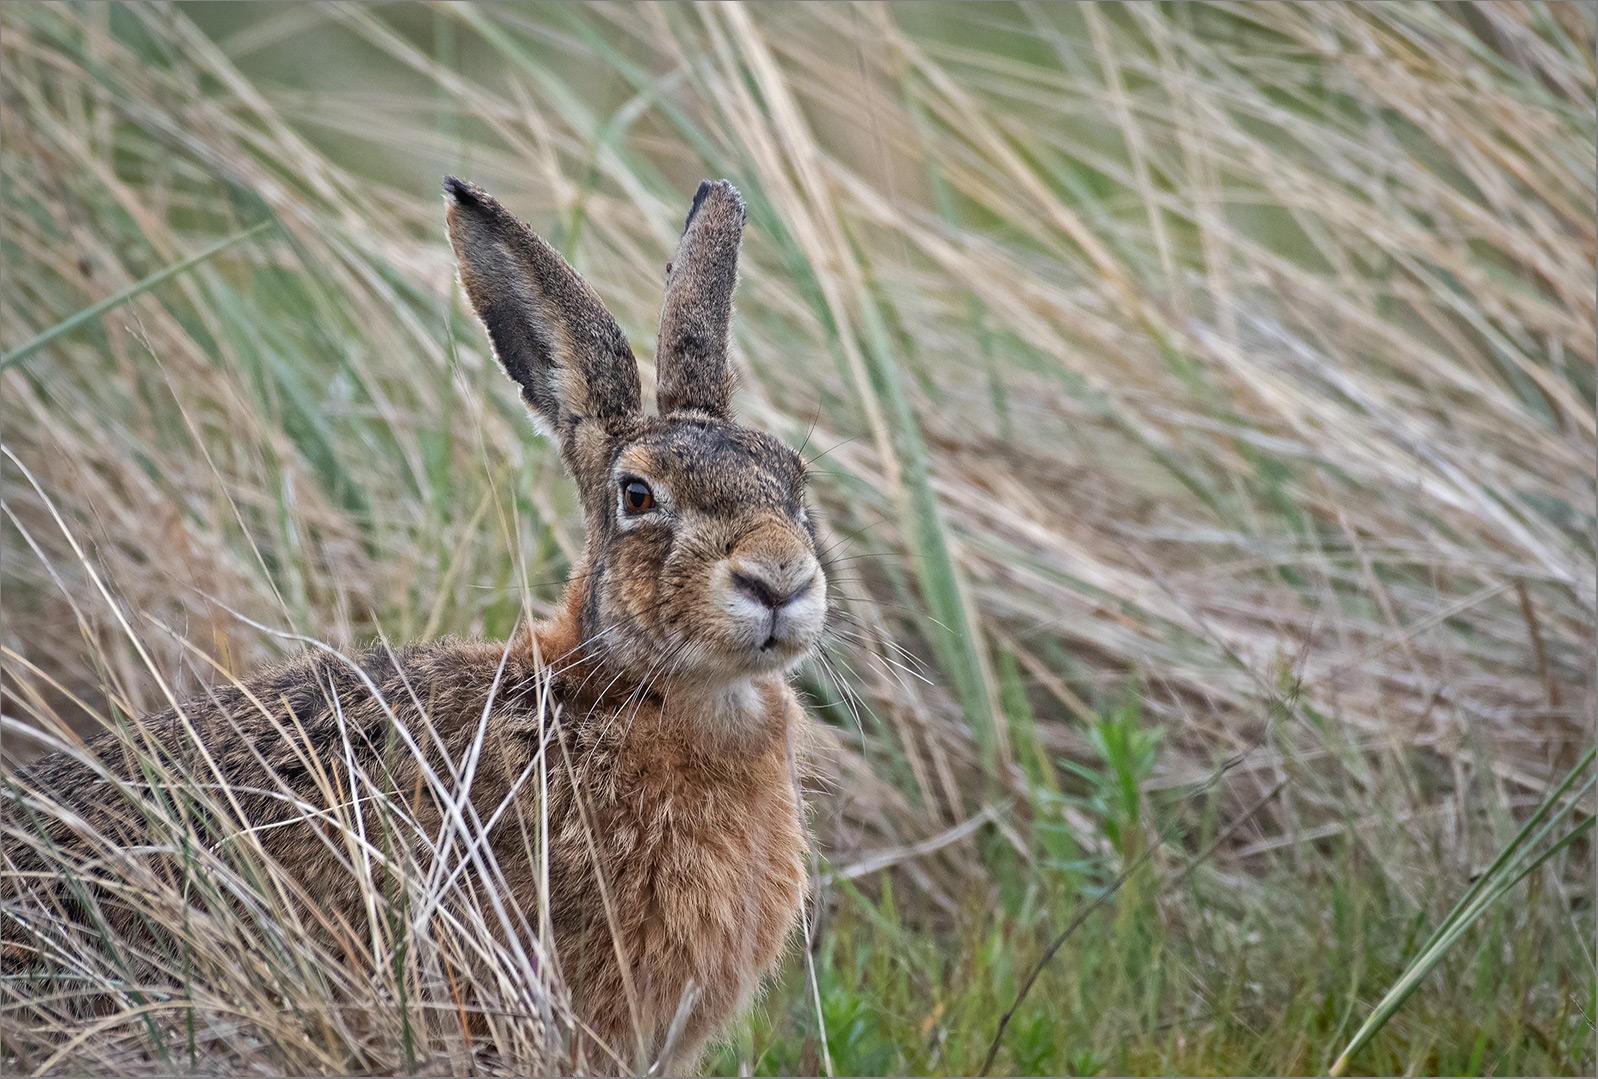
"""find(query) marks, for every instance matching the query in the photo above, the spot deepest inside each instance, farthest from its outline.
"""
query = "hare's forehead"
(714, 460)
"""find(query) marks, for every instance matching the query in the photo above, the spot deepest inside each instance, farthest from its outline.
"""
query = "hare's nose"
(764, 591)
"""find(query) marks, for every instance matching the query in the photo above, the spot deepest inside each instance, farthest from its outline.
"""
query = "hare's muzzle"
(774, 601)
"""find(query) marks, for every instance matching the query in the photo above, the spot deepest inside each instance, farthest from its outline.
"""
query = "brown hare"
(676, 851)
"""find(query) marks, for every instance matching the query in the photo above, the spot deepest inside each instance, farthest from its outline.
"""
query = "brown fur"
(672, 786)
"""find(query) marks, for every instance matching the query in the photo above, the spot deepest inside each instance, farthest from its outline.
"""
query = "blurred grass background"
(1184, 383)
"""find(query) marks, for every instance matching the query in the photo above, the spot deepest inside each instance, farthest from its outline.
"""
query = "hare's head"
(701, 560)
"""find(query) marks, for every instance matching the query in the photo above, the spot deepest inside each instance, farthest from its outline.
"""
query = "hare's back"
(278, 738)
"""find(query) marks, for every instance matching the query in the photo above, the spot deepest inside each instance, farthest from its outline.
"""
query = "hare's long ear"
(691, 366)
(549, 330)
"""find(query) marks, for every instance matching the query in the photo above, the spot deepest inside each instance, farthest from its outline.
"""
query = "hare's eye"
(636, 496)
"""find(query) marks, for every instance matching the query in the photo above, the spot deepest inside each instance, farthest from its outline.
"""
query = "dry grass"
(1206, 351)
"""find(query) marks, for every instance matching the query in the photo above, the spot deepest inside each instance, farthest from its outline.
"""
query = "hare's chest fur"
(700, 853)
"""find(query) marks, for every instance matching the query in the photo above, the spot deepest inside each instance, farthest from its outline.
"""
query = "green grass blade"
(1511, 852)
(955, 631)
(1564, 841)
(138, 288)
(1500, 877)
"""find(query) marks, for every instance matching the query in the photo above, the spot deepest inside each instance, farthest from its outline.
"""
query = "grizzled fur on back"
(274, 735)
(658, 697)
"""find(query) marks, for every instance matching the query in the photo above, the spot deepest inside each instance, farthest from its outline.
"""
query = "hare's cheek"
(634, 576)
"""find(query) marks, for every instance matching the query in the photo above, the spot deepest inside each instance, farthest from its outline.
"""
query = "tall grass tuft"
(173, 941)
(1151, 360)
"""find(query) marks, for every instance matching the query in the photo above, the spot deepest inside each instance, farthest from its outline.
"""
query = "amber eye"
(636, 496)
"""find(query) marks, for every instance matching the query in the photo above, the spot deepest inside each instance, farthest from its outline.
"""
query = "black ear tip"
(463, 193)
(705, 188)
(699, 198)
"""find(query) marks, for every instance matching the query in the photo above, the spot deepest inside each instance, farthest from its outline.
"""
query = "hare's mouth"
(772, 654)
(782, 643)
(774, 637)
(778, 640)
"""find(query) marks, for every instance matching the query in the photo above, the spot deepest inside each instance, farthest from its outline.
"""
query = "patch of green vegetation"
(1178, 976)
